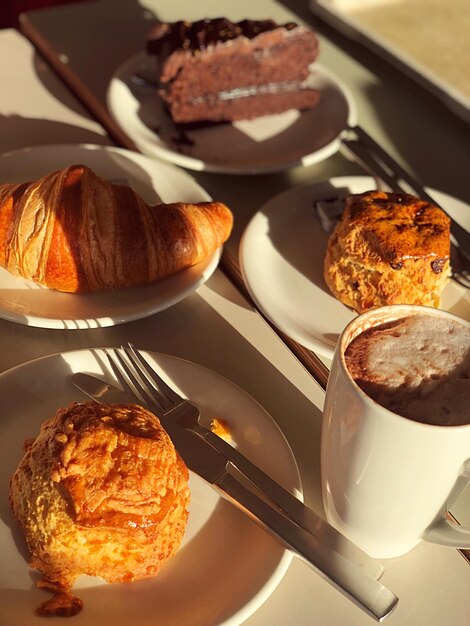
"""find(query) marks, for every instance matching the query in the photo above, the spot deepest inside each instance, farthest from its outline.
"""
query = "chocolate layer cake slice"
(217, 70)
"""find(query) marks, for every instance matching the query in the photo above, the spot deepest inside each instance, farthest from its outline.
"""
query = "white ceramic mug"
(388, 481)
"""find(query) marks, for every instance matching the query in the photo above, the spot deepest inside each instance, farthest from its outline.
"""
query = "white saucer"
(227, 566)
(27, 303)
(281, 258)
(267, 144)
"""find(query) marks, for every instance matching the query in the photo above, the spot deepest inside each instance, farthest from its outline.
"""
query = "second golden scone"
(388, 248)
(101, 491)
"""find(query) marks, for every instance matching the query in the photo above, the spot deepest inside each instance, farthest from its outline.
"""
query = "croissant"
(76, 232)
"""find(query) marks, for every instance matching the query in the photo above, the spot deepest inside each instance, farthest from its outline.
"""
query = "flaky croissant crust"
(76, 232)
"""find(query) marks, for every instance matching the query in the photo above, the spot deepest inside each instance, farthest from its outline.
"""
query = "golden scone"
(388, 248)
(101, 491)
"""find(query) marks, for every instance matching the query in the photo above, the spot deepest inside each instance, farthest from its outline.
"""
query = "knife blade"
(204, 460)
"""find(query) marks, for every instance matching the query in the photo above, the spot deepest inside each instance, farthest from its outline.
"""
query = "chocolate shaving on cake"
(204, 33)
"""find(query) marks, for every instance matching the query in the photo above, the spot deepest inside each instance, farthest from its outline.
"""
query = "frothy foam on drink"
(418, 367)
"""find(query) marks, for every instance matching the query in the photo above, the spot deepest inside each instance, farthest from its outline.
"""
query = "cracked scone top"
(101, 491)
(388, 248)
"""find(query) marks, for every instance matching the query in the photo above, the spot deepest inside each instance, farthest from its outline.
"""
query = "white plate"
(27, 303)
(227, 566)
(267, 144)
(281, 258)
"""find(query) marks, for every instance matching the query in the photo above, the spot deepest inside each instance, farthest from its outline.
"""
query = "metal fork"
(137, 377)
(153, 390)
(384, 168)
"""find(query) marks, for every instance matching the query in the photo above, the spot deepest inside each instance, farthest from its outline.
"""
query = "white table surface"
(217, 328)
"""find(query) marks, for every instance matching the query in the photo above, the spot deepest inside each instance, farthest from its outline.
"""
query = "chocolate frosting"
(195, 36)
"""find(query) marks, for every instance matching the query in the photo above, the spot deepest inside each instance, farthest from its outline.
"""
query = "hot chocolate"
(417, 367)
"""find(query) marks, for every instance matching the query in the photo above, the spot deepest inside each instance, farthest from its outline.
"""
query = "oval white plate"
(27, 303)
(227, 566)
(281, 258)
(266, 144)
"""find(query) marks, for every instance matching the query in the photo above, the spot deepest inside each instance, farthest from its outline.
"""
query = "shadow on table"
(21, 132)
(122, 35)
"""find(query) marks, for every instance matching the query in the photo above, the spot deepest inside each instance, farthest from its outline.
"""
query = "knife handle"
(366, 592)
(292, 506)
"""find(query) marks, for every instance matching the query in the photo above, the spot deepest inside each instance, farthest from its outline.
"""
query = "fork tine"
(115, 363)
(373, 166)
(131, 381)
(164, 390)
(462, 278)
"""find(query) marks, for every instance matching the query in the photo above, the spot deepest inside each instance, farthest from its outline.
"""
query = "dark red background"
(9, 9)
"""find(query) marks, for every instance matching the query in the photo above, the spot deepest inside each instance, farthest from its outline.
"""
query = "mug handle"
(444, 530)
(448, 533)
